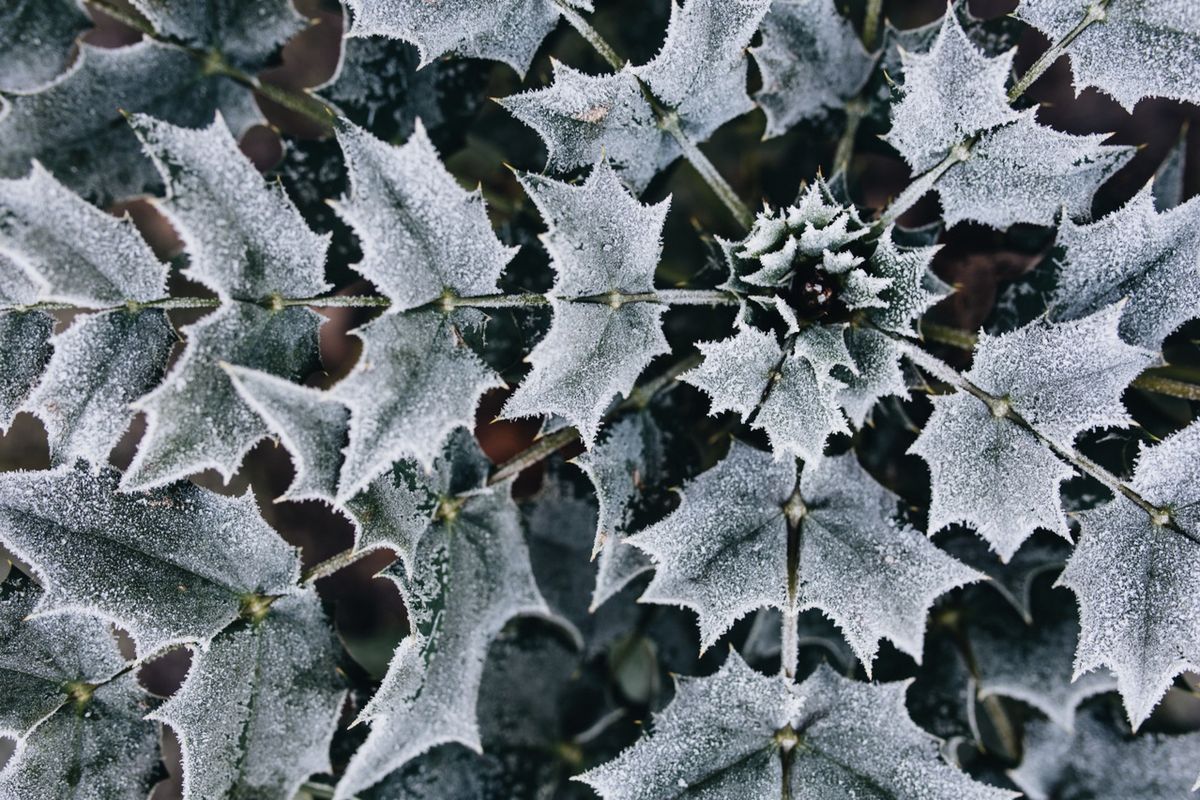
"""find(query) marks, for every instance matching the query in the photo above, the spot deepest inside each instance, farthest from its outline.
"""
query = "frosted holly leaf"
(35, 41)
(852, 554)
(600, 238)
(1026, 172)
(592, 354)
(100, 365)
(912, 288)
(471, 576)
(509, 30)
(877, 375)
(311, 424)
(73, 251)
(1138, 581)
(245, 32)
(1033, 663)
(1103, 762)
(811, 59)
(244, 236)
(716, 740)
(993, 474)
(195, 419)
(950, 93)
(94, 749)
(583, 118)
(422, 234)
(1151, 259)
(700, 71)
(39, 656)
(259, 707)
(620, 467)
(169, 565)
(825, 348)
(735, 371)
(96, 154)
(415, 382)
(1145, 48)
(24, 352)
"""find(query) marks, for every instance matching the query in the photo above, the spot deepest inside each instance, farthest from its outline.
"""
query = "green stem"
(856, 109)
(870, 33)
(124, 17)
(1097, 12)
(593, 37)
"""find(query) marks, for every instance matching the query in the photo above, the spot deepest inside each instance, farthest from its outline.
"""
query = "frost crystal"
(24, 352)
(811, 59)
(35, 40)
(169, 566)
(245, 32)
(420, 232)
(1138, 581)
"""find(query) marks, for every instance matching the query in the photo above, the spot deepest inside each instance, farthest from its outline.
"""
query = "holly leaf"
(169, 566)
(585, 118)
(39, 656)
(509, 31)
(422, 235)
(700, 71)
(911, 288)
(246, 33)
(1102, 761)
(1151, 259)
(35, 41)
(259, 707)
(24, 352)
(100, 365)
(97, 748)
(811, 60)
(950, 93)
(195, 419)
(988, 469)
(740, 734)
(471, 575)
(1138, 579)
(415, 382)
(724, 552)
(245, 238)
(878, 374)
(97, 154)
(1149, 48)
(71, 251)
(1026, 172)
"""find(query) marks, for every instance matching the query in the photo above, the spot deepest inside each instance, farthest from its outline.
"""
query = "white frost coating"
(259, 707)
(824, 346)
(38, 656)
(628, 459)
(715, 741)
(472, 576)
(950, 93)
(799, 412)
(1140, 48)
(700, 72)
(1033, 663)
(24, 352)
(735, 371)
(501, 30)
(1138, 583)
(1063, 378)
(1026, 172)
(195, 419)
(811, 59)
(169, 566)
(990, 474)
(862, 743)
(415, 382)
(246, 32)
(245, 237)
(421, 233)
(600, 238)
(1151, 259)
(75, 252)
(101, 364)
(106, 750)
(878, 374)
(583, 118)
(592, 354)
(35, 41)
(912, 288)
(312, 425)
(1100, 762)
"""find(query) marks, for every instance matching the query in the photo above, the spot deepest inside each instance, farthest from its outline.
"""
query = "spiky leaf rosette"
(724, 552)
(739, 734)
(991, 460)
(1137, 577)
